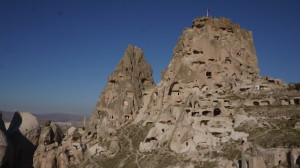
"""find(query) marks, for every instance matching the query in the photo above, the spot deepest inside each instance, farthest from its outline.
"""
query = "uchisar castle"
(210, 109)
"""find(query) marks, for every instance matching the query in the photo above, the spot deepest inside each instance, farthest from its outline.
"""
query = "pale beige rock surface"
(193, 109)
(122, 96)
(211, 109)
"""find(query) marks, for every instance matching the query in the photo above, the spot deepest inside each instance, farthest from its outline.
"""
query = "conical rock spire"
(122, 96)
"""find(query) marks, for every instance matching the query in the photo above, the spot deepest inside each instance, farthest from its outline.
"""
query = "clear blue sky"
(56, 55)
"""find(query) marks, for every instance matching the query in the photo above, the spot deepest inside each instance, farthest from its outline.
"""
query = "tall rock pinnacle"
(213, 49)
(121, 98)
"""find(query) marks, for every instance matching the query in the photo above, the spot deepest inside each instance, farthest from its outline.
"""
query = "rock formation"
(122, 96)
(3, 140)
(211, 109)
(51, 152)
(20, 138)
(117, 106)
(213, 50)
(194, 108)
(212, 60)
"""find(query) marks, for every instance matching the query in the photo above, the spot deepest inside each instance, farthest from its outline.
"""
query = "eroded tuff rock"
(55, 150)
(212, 60)
(118, 105)
(3, 140)
(122, 96)
(214, 51)
(196, 109)
(211, 109)
(21, 140)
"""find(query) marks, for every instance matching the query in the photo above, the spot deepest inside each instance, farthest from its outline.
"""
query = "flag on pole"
(207, 10)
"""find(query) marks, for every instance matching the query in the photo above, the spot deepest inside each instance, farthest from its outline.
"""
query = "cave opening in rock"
(113, 81)
(205, 113)
(228, 60)
(171, 88)
(143, 80)
(208, 74)
(150, 139)
(217, 111)
(240, 163)
(255, 103)
(194, 113)
(297, 101)
(218, 85)
(190, 105)
(197, 52)
(204, 122)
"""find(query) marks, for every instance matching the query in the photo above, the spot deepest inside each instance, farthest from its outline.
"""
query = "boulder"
(47, 136)
(47, 123)
(96, 149)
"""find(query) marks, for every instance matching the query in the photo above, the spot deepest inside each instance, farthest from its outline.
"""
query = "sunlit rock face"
(189, 107)
(196, 108)
(199, 114)
(122, 96)
(212, 60)
(211, 51)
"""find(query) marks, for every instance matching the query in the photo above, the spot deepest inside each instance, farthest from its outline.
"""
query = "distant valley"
(54, 117)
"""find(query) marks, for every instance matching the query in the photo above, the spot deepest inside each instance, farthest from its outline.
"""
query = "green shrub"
(294, 86)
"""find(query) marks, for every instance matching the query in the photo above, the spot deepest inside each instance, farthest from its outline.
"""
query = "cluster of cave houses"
(212, 105)
(268, 84)
(211, 113)
(276, 157)
(210, 116)
(213, 100)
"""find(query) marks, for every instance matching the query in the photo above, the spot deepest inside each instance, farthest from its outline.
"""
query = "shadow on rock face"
(298, 161)
(19, 149)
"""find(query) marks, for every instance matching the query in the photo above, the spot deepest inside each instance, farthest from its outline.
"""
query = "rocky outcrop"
(3, 140)
(21, 139)
(199, 114)
(122, 96)
(191, 106)
(55, 150)
(211, 51)
(193, 109)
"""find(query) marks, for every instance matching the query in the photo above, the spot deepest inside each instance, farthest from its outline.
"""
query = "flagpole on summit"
(207, 10)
